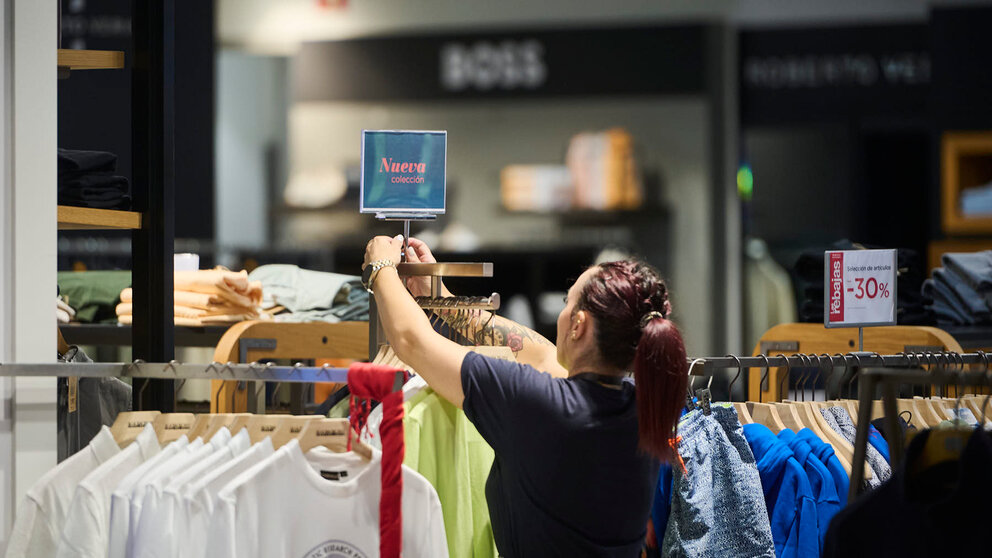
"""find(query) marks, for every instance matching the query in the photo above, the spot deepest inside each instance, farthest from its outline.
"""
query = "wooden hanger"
(766, 414)
(200, 425)
(927, 411)
(849, 405)
(218, 421)
(842, 448)
(790, 416)
(974, 404)
(290, 428)
(877, 410)
(262, 426)
(743, 415)
(922, 417)
(129, 424)
(240, 421)
(945, 406)
(171, 426)
(333, 435)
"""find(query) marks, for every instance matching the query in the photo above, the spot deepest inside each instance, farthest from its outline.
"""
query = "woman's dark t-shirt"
(568, 478)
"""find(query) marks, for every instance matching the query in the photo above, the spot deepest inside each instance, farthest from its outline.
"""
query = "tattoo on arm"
(497, 331)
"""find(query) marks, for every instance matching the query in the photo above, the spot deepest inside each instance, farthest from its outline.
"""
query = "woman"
(576, 452)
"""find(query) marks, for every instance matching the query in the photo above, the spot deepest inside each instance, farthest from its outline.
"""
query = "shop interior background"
(810, 118)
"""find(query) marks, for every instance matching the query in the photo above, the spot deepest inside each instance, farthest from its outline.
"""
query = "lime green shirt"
(444, 447)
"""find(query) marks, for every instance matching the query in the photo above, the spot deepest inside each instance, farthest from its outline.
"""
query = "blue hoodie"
(788, 495)
(878, 442)
(820, 480)
(825, 453)
(662, 506)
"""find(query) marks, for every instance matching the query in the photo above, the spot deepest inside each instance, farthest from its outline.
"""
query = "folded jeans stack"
(87, 179)
(206, 297)
(961, 291)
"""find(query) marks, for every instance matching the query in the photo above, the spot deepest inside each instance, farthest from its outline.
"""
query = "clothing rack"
(180, 371)
(301, 373)
(941, 358)
(889, 379)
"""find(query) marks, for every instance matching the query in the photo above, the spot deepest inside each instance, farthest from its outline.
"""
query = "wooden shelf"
(966, 161)
(84, 218)
(90, 59)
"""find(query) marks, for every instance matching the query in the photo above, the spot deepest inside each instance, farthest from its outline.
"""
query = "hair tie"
(650, 316)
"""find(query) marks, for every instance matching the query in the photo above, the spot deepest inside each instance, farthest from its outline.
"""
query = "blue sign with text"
(403, 172)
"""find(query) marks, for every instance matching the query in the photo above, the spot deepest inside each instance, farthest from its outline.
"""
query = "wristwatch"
(372, 271)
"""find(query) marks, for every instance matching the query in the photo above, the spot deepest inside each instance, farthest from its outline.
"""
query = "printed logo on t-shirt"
(335, 549)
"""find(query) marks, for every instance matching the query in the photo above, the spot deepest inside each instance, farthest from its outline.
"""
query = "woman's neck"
(584, 365)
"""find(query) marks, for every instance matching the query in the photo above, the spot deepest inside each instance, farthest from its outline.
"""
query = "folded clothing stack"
(807, 276)
(93, 294)
(87, 179)
(605, 170)
(304, 295)
(206, 297)
(977, 201)
(962, 290)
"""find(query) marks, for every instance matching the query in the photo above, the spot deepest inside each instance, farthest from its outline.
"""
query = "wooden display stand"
(815, 339)
(255, 340)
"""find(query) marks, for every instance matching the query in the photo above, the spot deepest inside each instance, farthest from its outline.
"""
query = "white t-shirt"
(137, 495)
(87, 525)
(291, 509)
(201, 496)
(162, 476)
(120, 500)
(163, 521)
(370, 434)
(42, 513)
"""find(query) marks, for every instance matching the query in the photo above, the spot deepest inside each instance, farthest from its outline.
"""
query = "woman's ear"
(580, 325)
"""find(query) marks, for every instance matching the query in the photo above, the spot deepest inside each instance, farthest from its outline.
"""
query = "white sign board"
(859, 288)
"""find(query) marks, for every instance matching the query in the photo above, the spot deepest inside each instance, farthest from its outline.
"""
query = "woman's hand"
(418, 252)
(383, 248)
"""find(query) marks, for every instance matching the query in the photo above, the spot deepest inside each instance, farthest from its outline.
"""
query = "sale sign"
(859, 288)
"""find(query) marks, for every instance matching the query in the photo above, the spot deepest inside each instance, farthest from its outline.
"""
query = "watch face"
(366, 275)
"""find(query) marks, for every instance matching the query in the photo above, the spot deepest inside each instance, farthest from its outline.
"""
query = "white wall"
(27, 245)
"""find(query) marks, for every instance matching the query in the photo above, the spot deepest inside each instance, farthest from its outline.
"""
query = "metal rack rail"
(179, 371)
(255, 371)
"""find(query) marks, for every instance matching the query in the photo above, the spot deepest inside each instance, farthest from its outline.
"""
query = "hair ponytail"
(629, 302)
(660, 376)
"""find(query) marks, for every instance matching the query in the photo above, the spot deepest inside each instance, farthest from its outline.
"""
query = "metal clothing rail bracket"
(246, 344)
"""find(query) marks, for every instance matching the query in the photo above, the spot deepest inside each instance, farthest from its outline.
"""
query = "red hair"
(620, 296)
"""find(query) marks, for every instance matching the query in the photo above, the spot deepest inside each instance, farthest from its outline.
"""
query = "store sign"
(859, 288)
(403, 172)
(656, 60)
(485, 65)
(833, 72)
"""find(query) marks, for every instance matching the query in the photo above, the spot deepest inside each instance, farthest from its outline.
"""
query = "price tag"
(859, 288)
